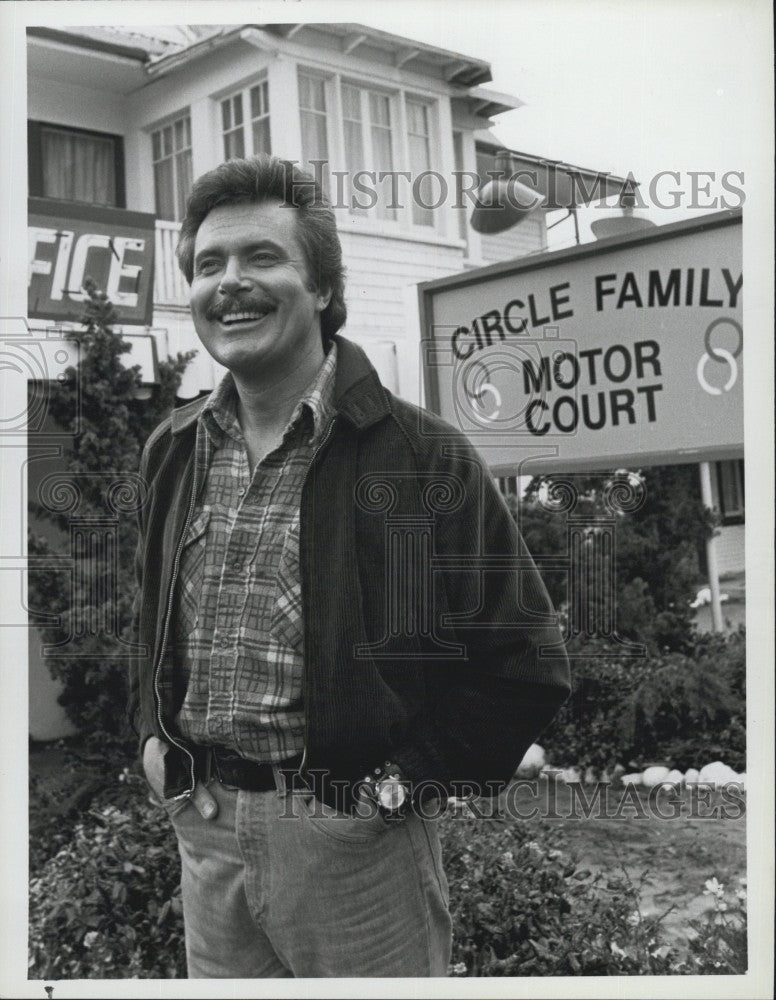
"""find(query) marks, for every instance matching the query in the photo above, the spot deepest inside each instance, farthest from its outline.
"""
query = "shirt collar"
(219, 414)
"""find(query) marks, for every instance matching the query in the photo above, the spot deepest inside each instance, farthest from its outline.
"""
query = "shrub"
(719, 944)
(96, 404)
(684, 709)
(521, 908)
(107, 905)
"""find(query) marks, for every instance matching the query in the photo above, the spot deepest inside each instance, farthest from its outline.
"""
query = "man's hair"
(267, 178)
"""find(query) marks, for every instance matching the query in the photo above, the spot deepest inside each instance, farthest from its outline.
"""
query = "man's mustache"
(244, 303)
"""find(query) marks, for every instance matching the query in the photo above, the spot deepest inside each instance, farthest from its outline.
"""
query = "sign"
(68, 242)
(626, 351)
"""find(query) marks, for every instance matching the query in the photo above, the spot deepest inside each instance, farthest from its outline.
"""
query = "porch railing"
(170, 288)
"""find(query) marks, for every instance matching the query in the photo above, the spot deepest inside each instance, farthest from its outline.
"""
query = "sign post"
(711, 552)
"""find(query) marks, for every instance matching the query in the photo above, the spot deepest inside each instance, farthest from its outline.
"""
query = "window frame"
(736, 515)
(402, 222)
(35, 158)
(158, 128)
(367, 123)
(246, 125)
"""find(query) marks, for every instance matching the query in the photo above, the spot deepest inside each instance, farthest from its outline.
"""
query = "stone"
(674, 778)
(533, 761)
(717, 774)
(691, 776)
(571, 776)
(632, 779)
(590, 776)
(655, 775)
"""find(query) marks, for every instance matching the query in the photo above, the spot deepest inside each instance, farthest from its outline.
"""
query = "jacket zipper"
(305, 672)
(176, 562)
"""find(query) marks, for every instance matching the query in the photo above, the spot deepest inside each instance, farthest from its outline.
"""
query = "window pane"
(237, 112)
(171, 148)
(420, 162)
(417, 118)
(184, 177)
(354, 146)
(226, 115)
(234, 145)
(732, 488)
(164, 189)
(351, 102)
(261, 142)
(312, 93)
(380, 109)
(78, 167)
(314, 140)
(259, 100)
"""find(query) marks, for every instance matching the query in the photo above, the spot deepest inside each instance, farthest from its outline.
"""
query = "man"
(310, 696)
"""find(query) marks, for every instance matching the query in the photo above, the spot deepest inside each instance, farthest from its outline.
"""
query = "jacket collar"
(359, 395)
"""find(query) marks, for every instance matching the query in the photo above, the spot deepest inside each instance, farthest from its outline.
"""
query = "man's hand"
(154, 753)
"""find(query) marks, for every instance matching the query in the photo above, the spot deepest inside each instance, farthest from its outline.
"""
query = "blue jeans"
(280, 885)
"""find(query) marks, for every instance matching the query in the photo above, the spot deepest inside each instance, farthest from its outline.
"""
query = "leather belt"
(234, 771)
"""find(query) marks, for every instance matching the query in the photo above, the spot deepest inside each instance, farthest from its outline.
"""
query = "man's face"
(251, 297)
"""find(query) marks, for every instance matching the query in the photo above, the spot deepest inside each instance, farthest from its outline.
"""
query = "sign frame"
(104, 216)
(532, 263)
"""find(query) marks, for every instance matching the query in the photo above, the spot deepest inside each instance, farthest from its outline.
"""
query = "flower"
(89, 938)
(634, 919)
(713, 888)
(459, 969)
(617, 950)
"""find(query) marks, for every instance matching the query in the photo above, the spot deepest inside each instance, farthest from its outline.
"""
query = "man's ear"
(322, 299)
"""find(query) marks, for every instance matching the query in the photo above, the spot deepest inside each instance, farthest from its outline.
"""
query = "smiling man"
(307, 700)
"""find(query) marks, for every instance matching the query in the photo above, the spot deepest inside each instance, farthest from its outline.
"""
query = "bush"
(521, 908)
(96, 404)
(107, 904)
(682, 709)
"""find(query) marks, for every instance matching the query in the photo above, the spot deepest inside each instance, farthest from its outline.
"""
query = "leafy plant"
(107, 904)
(683, 709)
(97, 404)
(656, 552)
(521, 908)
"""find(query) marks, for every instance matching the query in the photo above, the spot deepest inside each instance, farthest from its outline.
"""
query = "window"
(419, 139)
(367, 125)
(76, 165)
(730, 485)
(312, 103)
(171, 148)
(246, 137)
(356, 128)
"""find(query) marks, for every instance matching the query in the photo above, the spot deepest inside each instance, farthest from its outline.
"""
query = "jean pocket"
(364, 827)
(173, 807)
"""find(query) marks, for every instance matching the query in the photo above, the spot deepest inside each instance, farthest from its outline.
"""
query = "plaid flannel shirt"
(238, 633)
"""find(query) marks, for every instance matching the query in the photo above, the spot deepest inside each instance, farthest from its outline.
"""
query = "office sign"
(68, 242)
(627, 351)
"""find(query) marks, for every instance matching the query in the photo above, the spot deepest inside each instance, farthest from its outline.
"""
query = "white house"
(122, 121)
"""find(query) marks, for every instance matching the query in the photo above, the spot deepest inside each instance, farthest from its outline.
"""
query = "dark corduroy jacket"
(429, 638)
